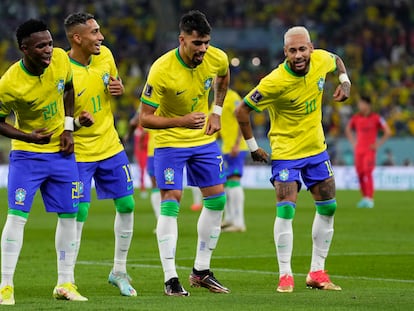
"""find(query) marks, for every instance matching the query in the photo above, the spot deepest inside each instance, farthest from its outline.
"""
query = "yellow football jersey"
(294, 105)
(229, 126)
(101, 140)
(176, 90)
(37, 101)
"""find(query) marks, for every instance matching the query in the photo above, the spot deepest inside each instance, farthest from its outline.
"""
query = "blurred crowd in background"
(374, 38)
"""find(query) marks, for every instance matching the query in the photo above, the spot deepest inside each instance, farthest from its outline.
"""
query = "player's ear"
(76, 38)
(311, 48)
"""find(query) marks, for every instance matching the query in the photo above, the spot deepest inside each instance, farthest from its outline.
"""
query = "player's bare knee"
(125, 204)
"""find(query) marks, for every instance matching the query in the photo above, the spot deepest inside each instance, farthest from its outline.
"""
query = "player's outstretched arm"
(38, 136)
(243, 117)
(147, 118)
(343, 90)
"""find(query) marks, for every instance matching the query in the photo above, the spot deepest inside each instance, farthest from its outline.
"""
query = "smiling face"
(89, 37)
(37, 50)
(193, 47)
(298, 49)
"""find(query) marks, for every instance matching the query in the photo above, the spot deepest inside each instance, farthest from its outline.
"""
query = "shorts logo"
(148, 90)
(169, 176)
(256, 96)
(284, 174)
(321, 83)
(20, 196)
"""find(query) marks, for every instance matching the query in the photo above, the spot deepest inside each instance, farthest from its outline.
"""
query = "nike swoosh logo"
(75, 204)
(81, 92)
(180, 92)
(10, 240)
(222, 175)
(129, 187)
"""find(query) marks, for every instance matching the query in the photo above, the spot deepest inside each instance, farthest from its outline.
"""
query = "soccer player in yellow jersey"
(99, 152)
(38, 90)
(234, 149)
(175, 103)
(292, 93)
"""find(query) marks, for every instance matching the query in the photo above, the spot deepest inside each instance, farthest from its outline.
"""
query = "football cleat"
(208, 281)
(234, 228)
(68, 291)
(365, 203)
(123, 282)
(320, 280)
(7, 295)
(286, 284)
(174, 288)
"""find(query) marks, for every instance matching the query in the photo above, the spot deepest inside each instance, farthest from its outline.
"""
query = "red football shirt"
(366, 128)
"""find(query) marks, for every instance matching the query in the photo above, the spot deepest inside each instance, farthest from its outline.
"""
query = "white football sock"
(65, 244)
(228, 215)
(167, 233)
(156, 202)
(283, 236)
(322, 233)
(208, 228)
(235, 196)
(197, 196)
(123, 228)
(79, 229)
(11, 245)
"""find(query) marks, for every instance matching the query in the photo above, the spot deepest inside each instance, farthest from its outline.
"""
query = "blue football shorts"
(204, 165)
(150, 166)
(312, 170)
(55, 174)
(112, 178)
(234, 165)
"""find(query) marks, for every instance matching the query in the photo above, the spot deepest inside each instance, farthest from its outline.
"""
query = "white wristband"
(77, 123)
(69, 124)
(217, 109)
(343, 77)
(252, 144)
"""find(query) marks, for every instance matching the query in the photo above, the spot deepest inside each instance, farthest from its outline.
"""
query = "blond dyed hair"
(297, 30)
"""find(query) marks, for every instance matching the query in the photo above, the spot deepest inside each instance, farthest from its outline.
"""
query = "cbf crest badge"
(169, 176)
(20, 196)
(207, 83)
(60, 86)
(284, 174)
(321, 83)
(105, 79)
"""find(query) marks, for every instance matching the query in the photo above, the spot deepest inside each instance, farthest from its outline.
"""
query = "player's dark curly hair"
(195, 20)
(29, 27)
(366, 99)
(76, 19)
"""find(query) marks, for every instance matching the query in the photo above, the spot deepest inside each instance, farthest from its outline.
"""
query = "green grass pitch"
(372, 258)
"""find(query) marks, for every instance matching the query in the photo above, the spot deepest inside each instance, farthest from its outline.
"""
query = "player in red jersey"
(362, 132)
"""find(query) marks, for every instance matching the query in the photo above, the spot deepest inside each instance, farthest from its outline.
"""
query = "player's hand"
(115, 86)
(213, 124)
(260, 155)
(40, 137)
(66, 142)
(342, 92)
(194, 120)
(86, 119)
